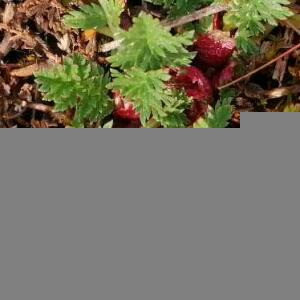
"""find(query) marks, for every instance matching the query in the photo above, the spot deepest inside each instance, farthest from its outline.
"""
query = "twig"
(260, 68)
(197, 15)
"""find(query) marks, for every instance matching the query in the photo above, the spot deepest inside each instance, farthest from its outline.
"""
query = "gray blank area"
(203, 217)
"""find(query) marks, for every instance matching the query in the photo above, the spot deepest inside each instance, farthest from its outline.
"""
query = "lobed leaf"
(77, 84)
(97, 16)
(150, 46)
(219, 116)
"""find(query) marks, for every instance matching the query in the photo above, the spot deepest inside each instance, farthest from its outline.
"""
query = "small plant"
(219, 116)
(151, 96)
(77, 84)
(159, 77)
(251, 16)
(150, 46)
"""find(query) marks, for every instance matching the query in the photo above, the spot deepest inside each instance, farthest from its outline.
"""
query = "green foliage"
(180, 7)
(248, 16)
(219, 117)
(174, 108)
(251, 16)
(79, 84)
(246, 44)
(146, 50)
(151, 96)
(150, 46)
(97, 16)
(145, 89)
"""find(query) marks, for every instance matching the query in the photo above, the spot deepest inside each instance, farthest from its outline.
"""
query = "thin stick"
(260, 68)
(197, 15)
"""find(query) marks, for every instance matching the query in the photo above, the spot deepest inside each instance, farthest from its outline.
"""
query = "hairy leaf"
(219, 117)
(97, 16)
(150, 46)
(251, 16)
(174, 110)
(77, 84)
(145, 89)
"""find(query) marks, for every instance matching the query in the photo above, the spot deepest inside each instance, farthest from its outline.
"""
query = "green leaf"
(146, 90)
(246, 44)
(151, 96)
(150, 46)
(97, 16)
(79, 84)
(251, 16)
(220, 116)
(174, 110)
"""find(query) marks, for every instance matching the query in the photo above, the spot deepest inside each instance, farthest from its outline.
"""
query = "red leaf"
(215, 48)
(194, 82)
(124, 108)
